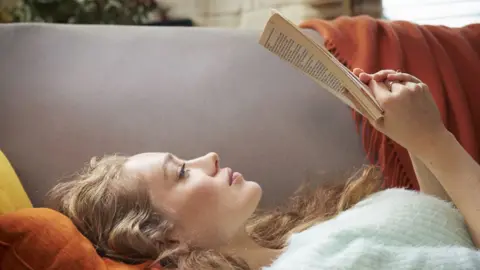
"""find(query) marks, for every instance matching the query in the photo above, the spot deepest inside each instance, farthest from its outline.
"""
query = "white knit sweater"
(392, 229)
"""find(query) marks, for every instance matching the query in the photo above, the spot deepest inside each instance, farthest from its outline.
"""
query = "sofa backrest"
(68, 93)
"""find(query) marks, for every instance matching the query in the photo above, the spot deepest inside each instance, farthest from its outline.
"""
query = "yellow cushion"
(12, 194)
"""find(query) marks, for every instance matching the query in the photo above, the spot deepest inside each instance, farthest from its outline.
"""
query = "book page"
(302, 56)
(357, 82)
(363, 94)
(284, 39)
(350, 75)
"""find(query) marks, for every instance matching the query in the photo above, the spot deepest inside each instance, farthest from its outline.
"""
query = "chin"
(254, 192)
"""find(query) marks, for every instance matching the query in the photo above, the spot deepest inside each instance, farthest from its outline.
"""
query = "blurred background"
(245, 14)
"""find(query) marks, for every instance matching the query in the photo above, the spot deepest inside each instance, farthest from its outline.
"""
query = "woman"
(193, 214)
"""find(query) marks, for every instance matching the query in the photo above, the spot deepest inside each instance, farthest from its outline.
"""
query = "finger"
(416, 86)
(382, 75)
(389, 84)
(379, 90)
(365, 78)
(357, 71)
(424, 86)
(412, 86)
(403, 77)
(397, 87)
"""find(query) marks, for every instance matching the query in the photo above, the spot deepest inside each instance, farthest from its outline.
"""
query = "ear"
(175, 236)
(178, 234)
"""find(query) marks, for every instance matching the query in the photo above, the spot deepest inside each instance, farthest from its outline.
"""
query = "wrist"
(434, 145)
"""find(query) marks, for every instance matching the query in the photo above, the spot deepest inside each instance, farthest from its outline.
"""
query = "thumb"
(379, 90)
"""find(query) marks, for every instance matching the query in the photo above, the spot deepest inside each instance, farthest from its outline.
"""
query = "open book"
(284, 39)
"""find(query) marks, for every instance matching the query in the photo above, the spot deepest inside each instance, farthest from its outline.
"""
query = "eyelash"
(182, 173)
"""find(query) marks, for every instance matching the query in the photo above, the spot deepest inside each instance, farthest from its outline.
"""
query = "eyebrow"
(168, 158)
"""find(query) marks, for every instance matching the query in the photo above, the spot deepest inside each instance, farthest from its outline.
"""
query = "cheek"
(200, 199)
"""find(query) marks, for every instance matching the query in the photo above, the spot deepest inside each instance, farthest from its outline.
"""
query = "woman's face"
(209, 205)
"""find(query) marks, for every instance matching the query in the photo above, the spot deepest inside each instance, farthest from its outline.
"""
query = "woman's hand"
(411, 117)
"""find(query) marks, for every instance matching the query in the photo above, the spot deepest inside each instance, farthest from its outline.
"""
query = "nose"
(209, 163)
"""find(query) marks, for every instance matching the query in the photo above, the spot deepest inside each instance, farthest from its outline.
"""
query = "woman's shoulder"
(410, 208)
(395, 216)
(401, 197)
(401, 220)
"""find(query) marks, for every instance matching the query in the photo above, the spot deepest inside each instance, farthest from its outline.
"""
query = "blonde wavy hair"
(122, 224)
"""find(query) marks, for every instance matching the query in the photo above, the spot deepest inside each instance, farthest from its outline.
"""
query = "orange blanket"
(446, 59)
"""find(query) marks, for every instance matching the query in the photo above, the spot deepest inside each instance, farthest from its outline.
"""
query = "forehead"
(144, 159)
(146, 163)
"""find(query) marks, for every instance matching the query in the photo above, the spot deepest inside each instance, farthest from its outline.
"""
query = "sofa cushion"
(12, 194)
(41, 238)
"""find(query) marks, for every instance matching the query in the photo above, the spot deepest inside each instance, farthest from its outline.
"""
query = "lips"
(235, 176)
(232, 176)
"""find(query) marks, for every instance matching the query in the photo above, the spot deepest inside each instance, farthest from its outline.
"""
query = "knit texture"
(392, 229)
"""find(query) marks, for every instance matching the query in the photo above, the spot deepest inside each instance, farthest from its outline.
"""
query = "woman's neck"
(243, 246)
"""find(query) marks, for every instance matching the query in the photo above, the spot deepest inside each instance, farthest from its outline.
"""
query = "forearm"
(459, 174)
(427, 181)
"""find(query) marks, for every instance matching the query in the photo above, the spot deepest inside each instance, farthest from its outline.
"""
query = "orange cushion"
(41, 238)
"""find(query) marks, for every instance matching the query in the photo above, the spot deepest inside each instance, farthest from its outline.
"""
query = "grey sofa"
(68, 93)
